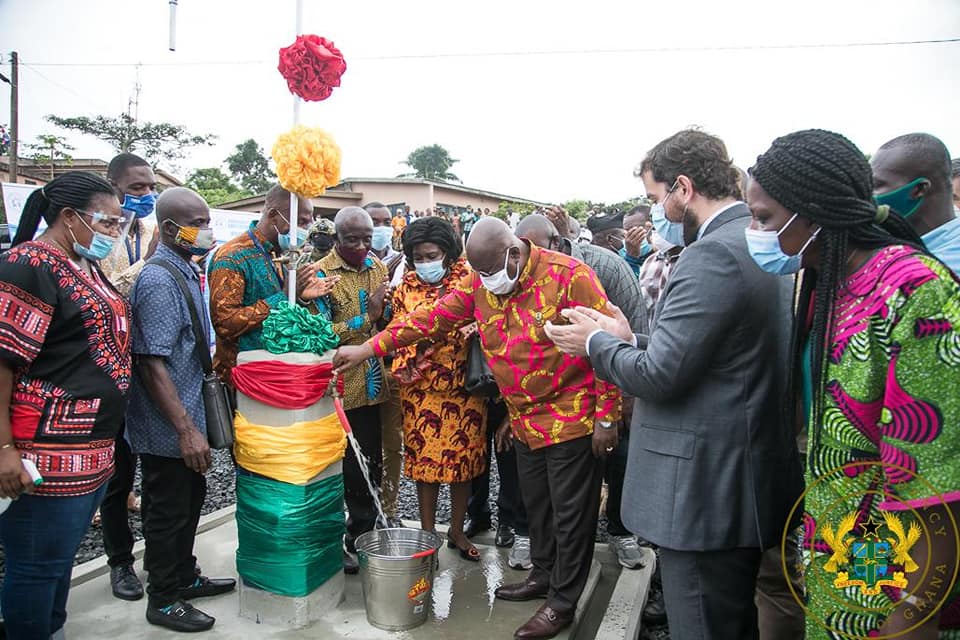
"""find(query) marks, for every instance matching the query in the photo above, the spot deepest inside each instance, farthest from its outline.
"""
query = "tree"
(505, 208)
(250, 167)
(577, 209)
(430, 163)
(155, 141)
(215, 186)
(4, 140)
(48, 148)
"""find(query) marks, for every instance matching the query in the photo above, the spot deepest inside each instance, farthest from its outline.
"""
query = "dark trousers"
(117, 538)
(40, 536)
(173, 495)
(366, 427)
(561, 489)
(510, 509)
(709, 594)
(613, 473)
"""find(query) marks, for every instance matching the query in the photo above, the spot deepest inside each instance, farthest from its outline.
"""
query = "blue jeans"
(40, 536)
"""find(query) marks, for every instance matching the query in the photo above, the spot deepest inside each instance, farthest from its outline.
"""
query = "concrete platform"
(463, 602)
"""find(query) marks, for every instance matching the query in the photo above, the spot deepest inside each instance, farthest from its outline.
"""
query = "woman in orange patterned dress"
(443, 425)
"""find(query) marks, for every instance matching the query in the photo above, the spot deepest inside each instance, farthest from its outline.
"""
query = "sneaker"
(124, 583)
(519, 557)
(627, 551)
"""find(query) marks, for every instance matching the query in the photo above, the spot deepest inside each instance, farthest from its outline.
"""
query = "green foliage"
(215, 186)
(250, 167)
(505, 207)
(156, 141)
(48, 149)
(577, 209)
(430, 163)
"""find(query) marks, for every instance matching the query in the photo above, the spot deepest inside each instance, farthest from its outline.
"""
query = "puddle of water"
(492, 568)
(443, 594)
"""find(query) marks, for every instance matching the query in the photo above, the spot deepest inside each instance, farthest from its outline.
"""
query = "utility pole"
(14, 107)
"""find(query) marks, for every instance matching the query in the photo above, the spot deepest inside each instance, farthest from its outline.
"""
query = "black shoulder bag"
(216, 398)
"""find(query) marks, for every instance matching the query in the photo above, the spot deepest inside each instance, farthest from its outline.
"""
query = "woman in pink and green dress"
(877, 371)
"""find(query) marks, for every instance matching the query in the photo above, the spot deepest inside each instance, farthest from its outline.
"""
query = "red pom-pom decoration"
(312, 67)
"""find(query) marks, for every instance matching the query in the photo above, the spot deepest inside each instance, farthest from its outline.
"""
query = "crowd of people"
(758, 364)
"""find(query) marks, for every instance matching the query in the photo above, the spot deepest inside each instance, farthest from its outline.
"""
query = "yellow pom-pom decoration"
(308, 161)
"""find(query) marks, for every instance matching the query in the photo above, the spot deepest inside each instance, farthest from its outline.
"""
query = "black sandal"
(472, 553)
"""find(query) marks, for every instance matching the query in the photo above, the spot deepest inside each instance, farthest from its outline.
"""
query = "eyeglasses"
(104, 220)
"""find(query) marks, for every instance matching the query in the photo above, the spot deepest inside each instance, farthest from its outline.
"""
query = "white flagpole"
(294, 200)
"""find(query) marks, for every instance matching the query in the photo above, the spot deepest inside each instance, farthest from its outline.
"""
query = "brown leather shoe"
(522, 591)
(545, 623)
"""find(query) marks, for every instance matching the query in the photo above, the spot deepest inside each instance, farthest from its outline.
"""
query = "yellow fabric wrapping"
(293, 454)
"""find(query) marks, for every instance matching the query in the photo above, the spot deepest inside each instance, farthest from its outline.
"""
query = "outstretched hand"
(349, 356)
(572, 338)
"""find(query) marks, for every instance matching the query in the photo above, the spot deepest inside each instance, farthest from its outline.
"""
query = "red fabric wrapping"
(312, 67)
(283, 385)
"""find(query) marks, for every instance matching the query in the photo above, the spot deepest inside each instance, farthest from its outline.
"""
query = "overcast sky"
(549, 126)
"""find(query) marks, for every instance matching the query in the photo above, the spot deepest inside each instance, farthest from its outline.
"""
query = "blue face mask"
(141, 206)
(764, 248)
(431, 272)
(381, 238)
(100, 244)
(283, 239)
(900, 199)
(670, 231)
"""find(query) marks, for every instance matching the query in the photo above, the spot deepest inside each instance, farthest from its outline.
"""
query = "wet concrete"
(463, 605)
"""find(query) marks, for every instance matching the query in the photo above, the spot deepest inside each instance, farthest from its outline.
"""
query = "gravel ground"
(221, 493)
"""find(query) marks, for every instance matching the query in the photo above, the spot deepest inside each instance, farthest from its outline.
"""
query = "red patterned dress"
(443, 426)
(66, 334)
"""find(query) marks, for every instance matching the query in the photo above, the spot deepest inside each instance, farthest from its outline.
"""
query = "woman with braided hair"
(443, 425)
(876, 346)
(64, 375)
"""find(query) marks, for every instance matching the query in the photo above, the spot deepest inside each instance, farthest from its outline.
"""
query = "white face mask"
(381, 238)
(501, 283)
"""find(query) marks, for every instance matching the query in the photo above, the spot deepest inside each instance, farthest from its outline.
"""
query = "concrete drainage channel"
(609, 610)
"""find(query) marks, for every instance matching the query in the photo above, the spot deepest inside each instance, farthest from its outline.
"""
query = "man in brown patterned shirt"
(355, 306)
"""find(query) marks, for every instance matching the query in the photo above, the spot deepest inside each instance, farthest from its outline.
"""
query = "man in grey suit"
(713, 470)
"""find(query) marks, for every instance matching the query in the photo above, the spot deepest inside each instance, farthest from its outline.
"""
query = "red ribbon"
(283, 385)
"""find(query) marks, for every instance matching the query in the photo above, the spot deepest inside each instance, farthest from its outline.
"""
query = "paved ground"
(463, 604)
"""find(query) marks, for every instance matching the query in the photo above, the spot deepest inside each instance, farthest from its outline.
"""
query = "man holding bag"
(166, 422)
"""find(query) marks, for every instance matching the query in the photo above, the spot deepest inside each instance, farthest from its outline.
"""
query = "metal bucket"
(396, 570)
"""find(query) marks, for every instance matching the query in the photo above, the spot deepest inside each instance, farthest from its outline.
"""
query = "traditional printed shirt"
(439, 362)
(553, 397)
(346, 308)
(124, 263)
(244, 285)
(162, 327)
(890, 411)
(66, 335)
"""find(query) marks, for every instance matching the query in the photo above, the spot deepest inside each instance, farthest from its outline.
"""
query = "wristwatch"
(607, 425)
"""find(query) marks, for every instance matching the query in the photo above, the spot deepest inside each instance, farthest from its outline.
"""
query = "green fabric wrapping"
(290, 536)
(294, 329)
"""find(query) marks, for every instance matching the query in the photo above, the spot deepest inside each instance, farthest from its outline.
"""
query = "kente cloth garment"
(66, 335)
(893, 371)
(124, 263)
(244, 285)
(552, 396)
(346, 307)
(444, 427)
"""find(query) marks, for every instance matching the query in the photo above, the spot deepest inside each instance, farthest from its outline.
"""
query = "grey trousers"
(709, 594)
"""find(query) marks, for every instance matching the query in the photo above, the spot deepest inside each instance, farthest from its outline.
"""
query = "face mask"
(670, 231)
(431, 272)
(353, 257)
(659, 243)
(900, 200)
(141, 206)
(100, 244)
(381, 238)
(501, 283)
(196, 240)
(764, 248)
(283, 239)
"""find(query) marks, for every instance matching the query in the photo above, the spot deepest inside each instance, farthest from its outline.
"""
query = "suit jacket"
(712, 463)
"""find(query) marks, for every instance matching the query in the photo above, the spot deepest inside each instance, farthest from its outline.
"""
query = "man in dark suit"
(713, 469)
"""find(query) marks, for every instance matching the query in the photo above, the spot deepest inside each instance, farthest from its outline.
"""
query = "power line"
(548, 52)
